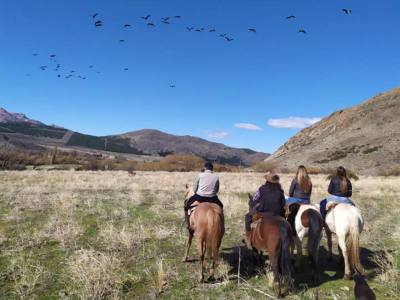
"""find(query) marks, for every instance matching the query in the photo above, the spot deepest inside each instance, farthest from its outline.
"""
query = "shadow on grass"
(253, 264)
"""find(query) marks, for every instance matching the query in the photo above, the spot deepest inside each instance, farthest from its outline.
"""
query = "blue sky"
(259, 79)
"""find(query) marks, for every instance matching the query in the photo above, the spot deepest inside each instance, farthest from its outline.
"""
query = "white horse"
(307, 221)
(346, 222)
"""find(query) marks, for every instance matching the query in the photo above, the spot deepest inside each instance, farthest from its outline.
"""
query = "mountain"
(364, 138)
(159, 143)
(17, 130)
(7, 117)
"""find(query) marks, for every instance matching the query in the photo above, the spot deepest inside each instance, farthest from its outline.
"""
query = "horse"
(346, 221)
(206, 221)
(273, 235)
(306, 220)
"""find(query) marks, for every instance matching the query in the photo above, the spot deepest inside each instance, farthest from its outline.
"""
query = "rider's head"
(208, 166)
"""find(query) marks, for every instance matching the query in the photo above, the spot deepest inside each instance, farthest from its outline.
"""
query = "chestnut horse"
(207, 223)
(272, 235)
(346, 222)
(306, 220)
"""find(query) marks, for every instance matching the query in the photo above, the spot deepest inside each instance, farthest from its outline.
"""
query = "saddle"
(330, 206)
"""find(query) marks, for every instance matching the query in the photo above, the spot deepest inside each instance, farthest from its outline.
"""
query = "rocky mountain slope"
(17, 130)
(364, 138)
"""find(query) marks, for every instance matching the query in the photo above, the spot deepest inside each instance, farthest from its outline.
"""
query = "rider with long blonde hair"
(301, 187)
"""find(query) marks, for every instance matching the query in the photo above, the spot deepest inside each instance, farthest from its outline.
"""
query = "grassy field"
(111, 235)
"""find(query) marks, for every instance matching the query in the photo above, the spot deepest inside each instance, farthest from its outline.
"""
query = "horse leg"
(299, 247)
(329, 238)
(185, 258)
(273, 258)
(202, 251)
(342, 245)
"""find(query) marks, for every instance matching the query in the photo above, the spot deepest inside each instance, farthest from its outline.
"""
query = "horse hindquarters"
(215, 232)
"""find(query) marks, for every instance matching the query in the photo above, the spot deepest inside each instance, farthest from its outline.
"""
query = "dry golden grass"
(109, 235)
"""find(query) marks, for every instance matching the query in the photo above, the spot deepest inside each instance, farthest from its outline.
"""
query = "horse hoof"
(346, 277)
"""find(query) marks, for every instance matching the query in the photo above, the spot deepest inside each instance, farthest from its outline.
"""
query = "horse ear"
(186, 186)
(250, 196)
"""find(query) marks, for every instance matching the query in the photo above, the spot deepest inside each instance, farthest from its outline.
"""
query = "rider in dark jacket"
(268, 199)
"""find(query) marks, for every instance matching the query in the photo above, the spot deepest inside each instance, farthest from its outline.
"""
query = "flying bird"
(126, 69)
(189, 28)
(253, 30)
(121, 41)
(91, 66)
(165, 18)
(59, 76)
(95, 15)
(346, 11)
(212, 30)
(223, 35)
(229, 39)
(43, 68)
(200, 29)
(146, 17)
(302, 31)
(127, 25)
(177, 17)
(291, 17)
(151, 24)
(165, 22)
(35, 54)
(52, 55)
(172, 86)
(98, 23)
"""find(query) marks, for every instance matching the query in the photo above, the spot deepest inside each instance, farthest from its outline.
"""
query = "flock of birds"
(56, 66)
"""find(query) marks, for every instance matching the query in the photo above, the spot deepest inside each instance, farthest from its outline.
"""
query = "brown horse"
(207, 223)
(273, 235)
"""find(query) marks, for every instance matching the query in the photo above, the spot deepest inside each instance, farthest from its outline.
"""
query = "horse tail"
(314, 236)
(284, 251)
(353, 244)
(215, 231)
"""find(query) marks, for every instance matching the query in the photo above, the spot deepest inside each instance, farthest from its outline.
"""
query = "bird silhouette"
(172, 85)
(346, 11)
(151, 24)
(212, 30)
(189, 28)
(121, 41)
(291, 17)
(253, 30)
(177, 17)
(127, 25)
(59, 76)
(91, 66)
(43, 68)
(166, 22)
(95, 15)
(146, 17)
(98, 23)
(35, 54)
(52, 55)
(165, 18)
(200, 29)
(223, 35)
(229, 39)
(302, 31)
(126, 69)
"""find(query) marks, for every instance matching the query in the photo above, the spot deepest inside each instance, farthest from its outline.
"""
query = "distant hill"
(364, 138)
(17, 130)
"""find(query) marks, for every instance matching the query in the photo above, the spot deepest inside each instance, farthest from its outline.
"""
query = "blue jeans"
(330, 198)
(290, 200)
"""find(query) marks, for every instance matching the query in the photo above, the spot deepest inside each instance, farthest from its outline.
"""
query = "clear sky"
(260, 79)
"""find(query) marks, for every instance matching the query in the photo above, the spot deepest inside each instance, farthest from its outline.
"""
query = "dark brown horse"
(272, 235)
(207, 223)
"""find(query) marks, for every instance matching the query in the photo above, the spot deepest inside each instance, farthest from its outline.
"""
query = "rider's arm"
(291, 189)
(196, 185)
(217, 186)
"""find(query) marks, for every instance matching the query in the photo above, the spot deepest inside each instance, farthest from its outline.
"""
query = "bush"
(265, 166)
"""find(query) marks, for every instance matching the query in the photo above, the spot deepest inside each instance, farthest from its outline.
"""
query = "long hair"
(342, 175)
(303, 179)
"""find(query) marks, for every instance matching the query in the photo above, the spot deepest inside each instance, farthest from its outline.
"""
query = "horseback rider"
(300, 188)
(205, 188)
(340, 190)
(269, 199)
